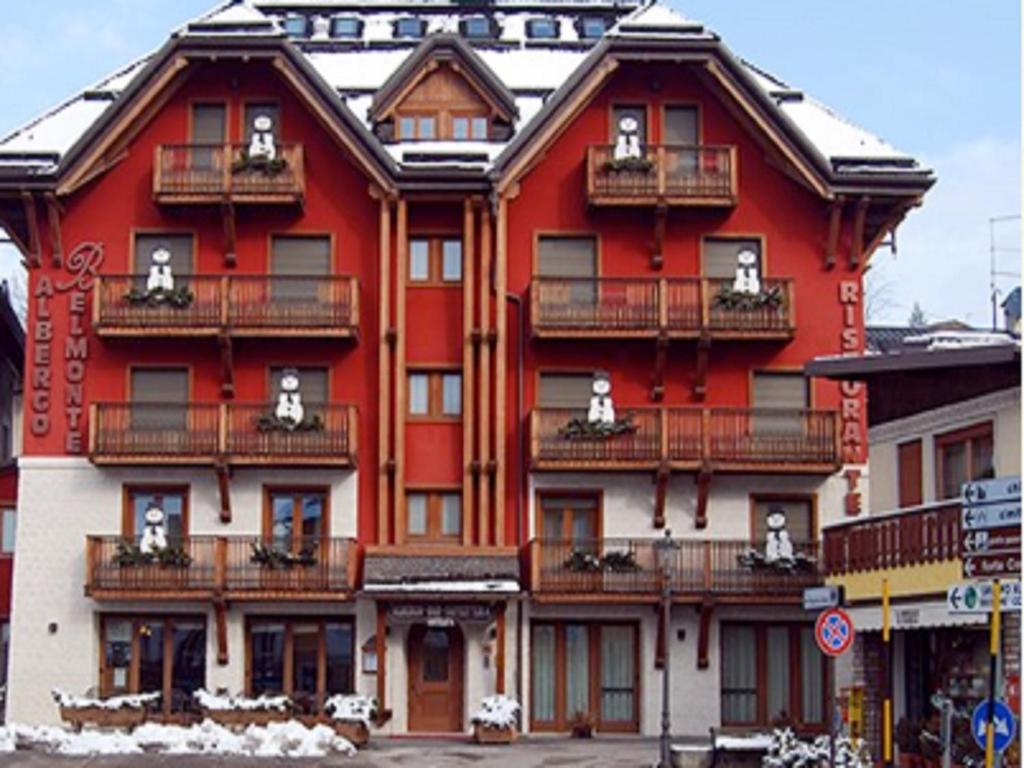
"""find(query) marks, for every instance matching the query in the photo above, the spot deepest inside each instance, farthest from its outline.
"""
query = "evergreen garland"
(727, 298)
(130, 555)
(270, 422)
(582, 429)
(178, 298)
(275, 558)
(629, 165)
(245, 163)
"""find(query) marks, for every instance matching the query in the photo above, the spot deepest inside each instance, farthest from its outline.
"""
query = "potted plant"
(495, 721)
(351, 716)
(243, 710)
(113, 712)
(582, 725)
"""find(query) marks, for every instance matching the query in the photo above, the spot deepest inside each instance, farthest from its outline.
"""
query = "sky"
(937, 78)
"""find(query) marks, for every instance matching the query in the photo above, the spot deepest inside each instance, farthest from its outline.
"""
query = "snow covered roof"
(358, 58)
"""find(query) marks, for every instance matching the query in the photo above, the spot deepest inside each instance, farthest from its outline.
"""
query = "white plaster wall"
(61, 501)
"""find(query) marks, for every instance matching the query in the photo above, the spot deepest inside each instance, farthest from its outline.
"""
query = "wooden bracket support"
(227, 365)
(391, 466)
(224, 488)
(492, 338)
(391, 336)
(835, 223)
(660, 359)
(700, 380)
(220, 610)
(658, 246)
(706, 608)
(857, 246)
(703, 488)
(476, 336)
(227, 209)
(53, 212)
(661, 479)
(34, 255)
(475, 468)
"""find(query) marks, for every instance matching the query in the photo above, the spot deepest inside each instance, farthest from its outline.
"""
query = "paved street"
(383, 753)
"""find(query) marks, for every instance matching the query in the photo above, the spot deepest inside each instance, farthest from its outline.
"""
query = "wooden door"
(435, 679)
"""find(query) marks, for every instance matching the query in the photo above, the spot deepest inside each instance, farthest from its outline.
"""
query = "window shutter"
(160, 385)
(681, 126)
(909, 460)
(209, 123)
(180, 247)
(564, 390)
(300, 256)
(719, 256)
(780, 390)
(312, 384)
(568, 257)
(798, 520)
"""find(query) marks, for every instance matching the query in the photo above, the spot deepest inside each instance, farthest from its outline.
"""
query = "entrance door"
(435, 679)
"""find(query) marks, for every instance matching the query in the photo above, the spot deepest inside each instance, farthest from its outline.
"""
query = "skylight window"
(477, 27)
(542, 29)
(410, 27)
(346, 27)
(295, 25)
(592, 28)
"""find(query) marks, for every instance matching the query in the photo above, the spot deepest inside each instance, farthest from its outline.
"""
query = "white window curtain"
(778, 672)
(618, 675)
(451, 514)
(739, 675)
(577, 667)
(812, 680)
(543, 662)
(451, 394)
(417, 513)
(419, 394)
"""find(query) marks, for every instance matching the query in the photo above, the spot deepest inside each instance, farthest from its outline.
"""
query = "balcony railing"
(612, 307)
(728, 439)
(213, 173)
(246, 305)
(673, 175)
(232, 566)
(631, 567)
(236, 433)
(909, 537)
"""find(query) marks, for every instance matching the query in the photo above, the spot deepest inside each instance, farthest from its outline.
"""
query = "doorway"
(435, 679)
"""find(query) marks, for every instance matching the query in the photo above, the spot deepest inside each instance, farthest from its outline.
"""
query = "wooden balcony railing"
(631, 566)
(727, 439)
(214, 173)
(912, 536)
(236, 433)
(613, 307)
(242, 305)
(672, 175)
(226, 565)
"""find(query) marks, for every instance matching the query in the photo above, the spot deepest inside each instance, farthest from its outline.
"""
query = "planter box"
(485, 735)
(239, 718)
(125, 717)
(353, 730)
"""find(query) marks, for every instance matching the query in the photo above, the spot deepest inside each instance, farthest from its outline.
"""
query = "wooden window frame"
(416, 116)
(5, 506)
(762, 498)
(435, 393)
(597, 495)
(287, 651)
(130, 490)
(193, 103)
(613, 128)
(541, 372)
(904, 481)
(563, 718)
(968, 435)
(136, 232)
(272, 392)
(781, 371)
(267, 522)
(435, 515)
(435, 261)
(550, 234)
(168, 366)
(244, 107)
(314, 234)
(795, 710)
(760, 237)
(663, 117)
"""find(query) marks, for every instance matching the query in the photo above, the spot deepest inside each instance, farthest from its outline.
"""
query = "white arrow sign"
(976, 597)
(999, 725)
(991, 491)
(996, 516)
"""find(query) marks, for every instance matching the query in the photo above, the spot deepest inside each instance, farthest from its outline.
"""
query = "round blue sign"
(1003, 724)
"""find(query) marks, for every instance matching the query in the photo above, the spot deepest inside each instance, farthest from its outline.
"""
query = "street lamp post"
(663, 549)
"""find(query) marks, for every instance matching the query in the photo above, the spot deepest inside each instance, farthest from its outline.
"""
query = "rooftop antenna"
(993, 272)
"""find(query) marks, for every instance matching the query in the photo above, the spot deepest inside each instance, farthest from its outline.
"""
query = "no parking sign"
(834, 632)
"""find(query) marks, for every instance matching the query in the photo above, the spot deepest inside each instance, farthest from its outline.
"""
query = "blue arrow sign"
(1003, 724)
(991, 491)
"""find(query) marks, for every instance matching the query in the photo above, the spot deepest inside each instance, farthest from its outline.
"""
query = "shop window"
(159, 654)
(908, 459)
(287, 656)
(346, 27)
(542, 29)
(5, 650)
(770, 673)
(296, 520)
(435, 394)
(798, 514)
(173, 501)
(963, 456)
(435, 260)
(434, 515)
(9, 518)
(720, 256)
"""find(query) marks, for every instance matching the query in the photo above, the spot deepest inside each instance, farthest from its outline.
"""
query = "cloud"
(943, 258)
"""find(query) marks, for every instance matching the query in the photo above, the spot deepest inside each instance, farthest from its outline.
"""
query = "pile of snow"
(351, 708)
(958, 339)
(289, 739)
(497, 712)
(752, 742)
(787, 751)
(215, 702)
(133, 701)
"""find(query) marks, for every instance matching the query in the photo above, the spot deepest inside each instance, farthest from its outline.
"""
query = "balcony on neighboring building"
(663, 175)
(233, 567)
(324, 306)
(686, 307)
(211, 174)
(688, 439)
(630, 570)
(236, 433)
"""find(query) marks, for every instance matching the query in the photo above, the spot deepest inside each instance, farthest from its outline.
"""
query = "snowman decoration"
(154, 534)
(602, 410)
(778, 548)
(262, 148)
(289, 409)
(160, 280)
(627, 143)
(747, 279)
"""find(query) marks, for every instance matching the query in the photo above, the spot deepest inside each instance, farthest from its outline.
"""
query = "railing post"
(662, 186)
(663, 304)
(733, 172)
(222, 429)
(535, 556)
(220, 564)
(90, 561)
(352, 430)
(351, 563)
(663, 418)
(94, 427)
(225, 162)
(705, 434)
(224, 292)
(353, 304)
(535, 435)
(705, 305)
(158, 170)
(707, 565)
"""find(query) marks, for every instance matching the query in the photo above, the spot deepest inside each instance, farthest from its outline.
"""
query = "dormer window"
(295, 25)
(346, 27)
(412, 127)
(410, 27)
(477, 28)
(542, 29)
(466, 128)
(592, 28)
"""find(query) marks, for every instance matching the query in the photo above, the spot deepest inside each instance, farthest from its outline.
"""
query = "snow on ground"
(497, 712)
(288, 739)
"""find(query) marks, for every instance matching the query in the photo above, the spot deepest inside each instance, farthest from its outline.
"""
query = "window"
(562, 661)
(410, 27)
(592, 28)
(542, 29)
(681, 126)
(780, 399)
(636, 111)
(908, 459)
(9, 530)
(435, 394)
(561, 256)
(5, 649)
(799, 516)
(466, 127)
(565, 390)
(963, 456)
(312, 384)
(286, 656)
(180, 247)
(720, 256)
(477, 27)
(295, 25)
(159, 398)
(435, 260)
(296, 520)
(158, 653)
(346, 27)
(262, 109)
(172, 500)
(209, 129)
(771, 672)
(570, 518)
(417, 127)
(434, 515)
(296, 266)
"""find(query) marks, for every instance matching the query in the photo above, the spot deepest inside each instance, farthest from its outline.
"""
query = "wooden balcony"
(323, 306)
(205, 174)
(222, 566)
(622, 308)
(665, 175)
(687, 439)
(628, 569)
(236, 433)
(927, 534)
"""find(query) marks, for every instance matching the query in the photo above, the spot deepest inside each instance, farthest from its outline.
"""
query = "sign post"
(833, 632)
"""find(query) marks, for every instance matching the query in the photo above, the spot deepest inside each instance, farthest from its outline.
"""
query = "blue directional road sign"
(1003, 724)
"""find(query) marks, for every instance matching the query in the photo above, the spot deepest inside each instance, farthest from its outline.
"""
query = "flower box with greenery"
(351, 715)
(758, 561)
(495, 721)
(246, 163)
(582, 561)
(177, 298)
(582, 725)
(730, 299)
(243, 711)
(128, 554)
(270, 422)
(113, 712)
(629, 165)
(582, 429)
(275, 558)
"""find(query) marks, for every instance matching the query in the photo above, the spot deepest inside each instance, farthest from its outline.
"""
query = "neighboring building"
(943, 409)
(1011, 311)
(471, 210)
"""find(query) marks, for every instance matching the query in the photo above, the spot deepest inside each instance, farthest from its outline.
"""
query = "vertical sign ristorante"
(82, 264)
(851, 393)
